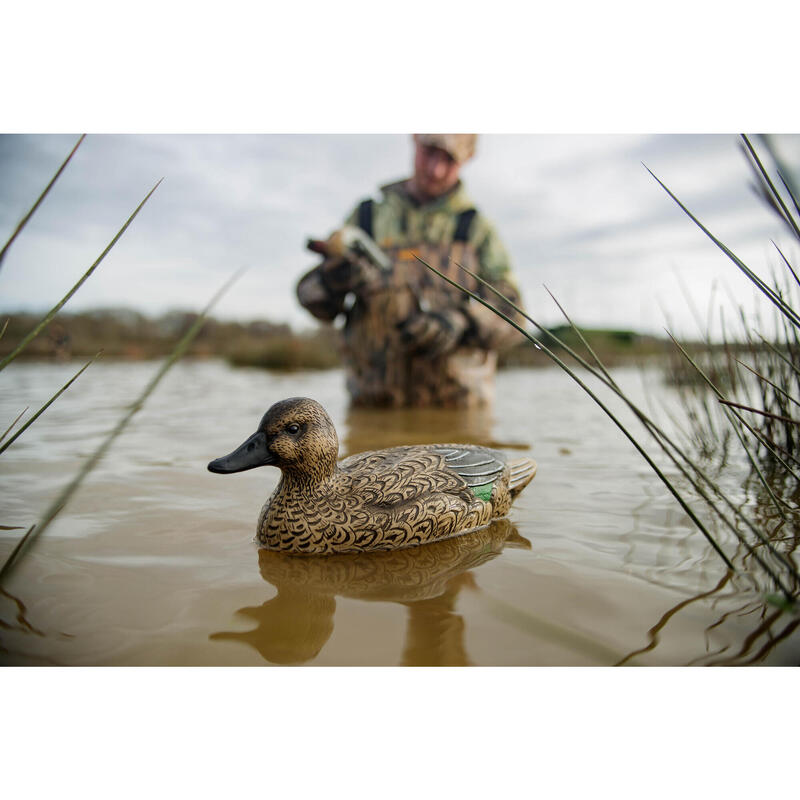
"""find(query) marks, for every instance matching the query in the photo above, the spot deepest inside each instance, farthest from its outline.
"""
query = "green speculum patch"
(483, 492)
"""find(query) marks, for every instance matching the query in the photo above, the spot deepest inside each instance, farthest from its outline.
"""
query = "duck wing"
(478, 466)
(401, 474)
(398, 475)
(483, 469)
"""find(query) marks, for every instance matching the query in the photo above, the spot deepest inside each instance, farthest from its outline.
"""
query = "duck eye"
(293, 428)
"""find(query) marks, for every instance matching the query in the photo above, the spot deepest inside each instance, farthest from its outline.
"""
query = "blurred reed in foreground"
(18, 348)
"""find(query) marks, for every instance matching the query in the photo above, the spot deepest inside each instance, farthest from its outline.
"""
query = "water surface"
(153, 562)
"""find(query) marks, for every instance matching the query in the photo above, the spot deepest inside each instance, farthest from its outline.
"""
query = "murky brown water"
(153, 562)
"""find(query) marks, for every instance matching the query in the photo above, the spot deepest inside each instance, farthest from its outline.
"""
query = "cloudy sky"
(579, 214)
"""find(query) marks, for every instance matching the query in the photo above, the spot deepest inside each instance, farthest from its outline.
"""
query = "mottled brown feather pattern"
(382, 500)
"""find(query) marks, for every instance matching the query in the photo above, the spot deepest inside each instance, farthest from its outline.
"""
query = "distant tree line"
(129, 334)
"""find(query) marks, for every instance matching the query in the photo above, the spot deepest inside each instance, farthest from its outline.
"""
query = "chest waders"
(381, 369)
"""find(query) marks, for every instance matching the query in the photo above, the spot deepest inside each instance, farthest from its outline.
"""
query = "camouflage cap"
(461, 146)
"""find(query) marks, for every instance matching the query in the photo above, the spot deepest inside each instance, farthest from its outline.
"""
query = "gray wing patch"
(476, 465)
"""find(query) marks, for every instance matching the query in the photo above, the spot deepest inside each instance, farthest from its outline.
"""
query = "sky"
(578, 213)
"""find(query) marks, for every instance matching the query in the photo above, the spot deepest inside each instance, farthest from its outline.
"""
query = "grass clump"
(614, 347)
(750, 383)
(288, 352)
(759, 540)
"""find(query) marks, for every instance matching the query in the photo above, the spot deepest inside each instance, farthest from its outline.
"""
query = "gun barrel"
(355, 239)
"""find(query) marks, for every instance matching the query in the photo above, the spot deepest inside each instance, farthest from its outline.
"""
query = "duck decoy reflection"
(377, 500)
(294, 625)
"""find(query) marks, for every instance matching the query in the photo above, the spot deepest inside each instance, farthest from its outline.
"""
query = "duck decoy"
(377, 500)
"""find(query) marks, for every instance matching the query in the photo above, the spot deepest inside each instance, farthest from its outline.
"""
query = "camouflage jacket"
(381, 308)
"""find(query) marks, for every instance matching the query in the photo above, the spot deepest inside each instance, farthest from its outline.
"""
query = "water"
(153, 561)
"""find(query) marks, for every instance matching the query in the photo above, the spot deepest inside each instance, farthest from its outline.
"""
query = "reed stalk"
(24, 545)
(665, 442)
(44, 408)
(16, 420)
(553, 357)
(704, 422)
(24, 221)
(775, 365)
(668, 446)
(765, 289)
(57, 307)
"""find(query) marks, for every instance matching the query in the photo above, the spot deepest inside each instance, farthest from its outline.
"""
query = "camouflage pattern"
(460, 146)
(393, 315)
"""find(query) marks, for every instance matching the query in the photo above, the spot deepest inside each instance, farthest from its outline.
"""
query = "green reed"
(24, 221)
(708, 490)
(761, 375)
(47, 319)
(55, 507)
(757, 542)
(44, 408)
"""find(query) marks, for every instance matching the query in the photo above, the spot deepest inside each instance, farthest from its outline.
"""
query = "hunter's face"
(435, 171)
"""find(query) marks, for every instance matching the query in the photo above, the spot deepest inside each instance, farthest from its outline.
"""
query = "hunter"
(410, 338)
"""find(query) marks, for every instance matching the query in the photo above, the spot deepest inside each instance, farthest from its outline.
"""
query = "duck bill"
(252, 453)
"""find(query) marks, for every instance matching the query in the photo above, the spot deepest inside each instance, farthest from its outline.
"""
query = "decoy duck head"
(295, 435)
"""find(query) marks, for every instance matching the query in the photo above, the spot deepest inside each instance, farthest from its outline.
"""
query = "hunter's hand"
(353, 274)
(433, 333)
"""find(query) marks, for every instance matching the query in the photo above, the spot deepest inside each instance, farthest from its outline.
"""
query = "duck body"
(377, 500)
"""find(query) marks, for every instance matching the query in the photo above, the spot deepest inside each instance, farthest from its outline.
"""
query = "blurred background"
(578, 213)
